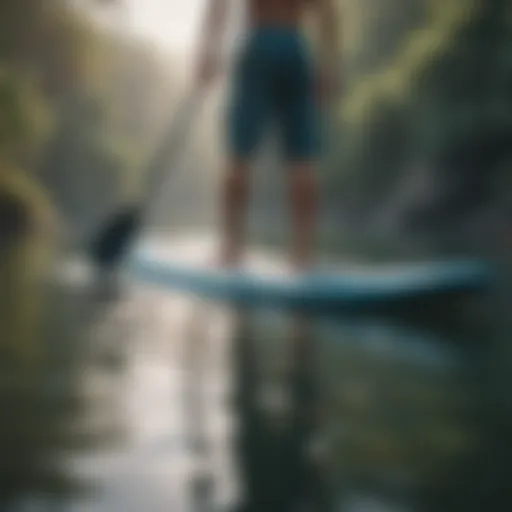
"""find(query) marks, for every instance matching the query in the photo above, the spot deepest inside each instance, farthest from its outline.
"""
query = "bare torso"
(277, 12)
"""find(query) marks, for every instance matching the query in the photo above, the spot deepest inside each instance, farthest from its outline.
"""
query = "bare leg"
(234, 203)
(303, 191)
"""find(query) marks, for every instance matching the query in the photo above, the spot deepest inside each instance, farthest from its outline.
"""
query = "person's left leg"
(301, 138)
(299, 117)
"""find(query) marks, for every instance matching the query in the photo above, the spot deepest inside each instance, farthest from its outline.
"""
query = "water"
(151, 401)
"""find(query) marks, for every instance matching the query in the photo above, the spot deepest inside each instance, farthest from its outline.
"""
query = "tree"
(446, 89)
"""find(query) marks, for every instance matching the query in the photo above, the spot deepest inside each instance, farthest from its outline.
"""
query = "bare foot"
(302, 265)
(230, 258)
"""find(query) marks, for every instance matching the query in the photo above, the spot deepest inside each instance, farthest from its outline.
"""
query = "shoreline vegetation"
(81, 106)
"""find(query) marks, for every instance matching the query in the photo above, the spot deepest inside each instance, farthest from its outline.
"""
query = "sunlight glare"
(172, 24)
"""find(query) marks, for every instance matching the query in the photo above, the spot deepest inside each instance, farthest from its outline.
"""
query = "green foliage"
(78, 108)
(373, 31)
(25, 248)
(25, 118)
(24, 188)
(447, 86)
(79, 105)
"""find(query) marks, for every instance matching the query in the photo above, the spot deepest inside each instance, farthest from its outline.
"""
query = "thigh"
(299, 115)
(250, 103)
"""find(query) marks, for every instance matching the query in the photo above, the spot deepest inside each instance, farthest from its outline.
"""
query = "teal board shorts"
(274, 82)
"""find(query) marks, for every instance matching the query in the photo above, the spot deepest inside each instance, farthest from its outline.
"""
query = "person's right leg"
(303, 199)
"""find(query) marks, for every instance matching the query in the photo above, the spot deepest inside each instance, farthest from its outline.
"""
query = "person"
(274, 78)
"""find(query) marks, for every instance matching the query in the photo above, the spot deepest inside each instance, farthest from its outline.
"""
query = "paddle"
(117, 233)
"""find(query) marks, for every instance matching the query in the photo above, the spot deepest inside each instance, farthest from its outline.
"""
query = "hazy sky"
(170, 23)
(174, 24)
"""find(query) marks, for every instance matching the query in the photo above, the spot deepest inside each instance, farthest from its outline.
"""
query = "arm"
(329, 43)
(211, 37)
(329, 33)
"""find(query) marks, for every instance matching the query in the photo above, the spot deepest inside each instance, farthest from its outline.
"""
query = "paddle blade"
(115, 238)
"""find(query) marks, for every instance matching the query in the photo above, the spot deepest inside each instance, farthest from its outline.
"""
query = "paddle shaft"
(118, 233)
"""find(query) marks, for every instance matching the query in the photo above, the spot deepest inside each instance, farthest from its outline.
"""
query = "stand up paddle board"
(343, 285)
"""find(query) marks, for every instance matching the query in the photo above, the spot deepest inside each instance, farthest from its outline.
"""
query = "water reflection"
(160, 402)
(393, 408)
(49, 413)
(277, 424)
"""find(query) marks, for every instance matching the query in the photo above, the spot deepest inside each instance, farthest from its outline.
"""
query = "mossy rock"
(26, 246)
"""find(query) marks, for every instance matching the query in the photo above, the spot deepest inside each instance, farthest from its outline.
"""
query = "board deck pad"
(188, 265)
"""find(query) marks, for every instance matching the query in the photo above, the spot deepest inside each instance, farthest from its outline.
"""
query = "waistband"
(278, 30)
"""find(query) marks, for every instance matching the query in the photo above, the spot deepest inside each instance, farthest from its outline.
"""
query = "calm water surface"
(155, 402)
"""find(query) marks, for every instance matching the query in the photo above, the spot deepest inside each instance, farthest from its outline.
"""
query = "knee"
(236, 180)
(304, 192)
(303, 181)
